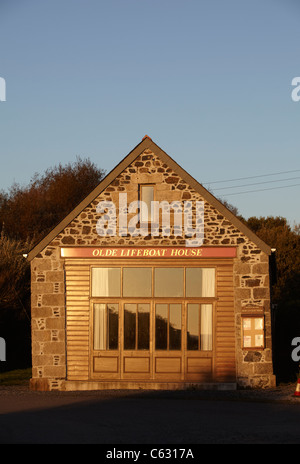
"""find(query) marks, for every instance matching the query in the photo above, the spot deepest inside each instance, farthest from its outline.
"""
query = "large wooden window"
(114, 286)
(168, 282)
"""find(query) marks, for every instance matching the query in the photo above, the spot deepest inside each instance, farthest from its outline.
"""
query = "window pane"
(168, 282)
(175, 327)
(259, 340)
(200, 282)
(106, 282)
(143, 326)
(259, 323)
(193, 327)
(206, 327)
(129, 326)
(99, 327)
(113, 326)
(137, 282)
(247, 323)
(147, 196)
(161, 327)
(253, 332)
(247, 341)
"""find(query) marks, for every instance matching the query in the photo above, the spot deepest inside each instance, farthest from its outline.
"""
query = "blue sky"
(209, 81)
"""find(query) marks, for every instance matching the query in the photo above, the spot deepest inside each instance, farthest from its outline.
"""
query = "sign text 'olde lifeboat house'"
(150, 283)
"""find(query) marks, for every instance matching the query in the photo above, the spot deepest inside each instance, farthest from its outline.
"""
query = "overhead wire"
(251, 177)
(263, 190)
(256, 183)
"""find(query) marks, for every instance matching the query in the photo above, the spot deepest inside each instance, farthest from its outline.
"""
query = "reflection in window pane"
(129, 326)
(161, 327)
(175, 327)
(168, 282)
(113, 326)
(106, 282)
(193, 327)
(137, 282)
(143, 326)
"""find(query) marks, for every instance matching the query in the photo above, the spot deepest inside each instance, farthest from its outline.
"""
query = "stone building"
(125, 296)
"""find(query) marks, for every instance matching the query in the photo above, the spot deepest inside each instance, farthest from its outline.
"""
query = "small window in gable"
(146, 198)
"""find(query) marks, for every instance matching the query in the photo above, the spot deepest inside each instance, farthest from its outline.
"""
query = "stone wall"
(251, 271)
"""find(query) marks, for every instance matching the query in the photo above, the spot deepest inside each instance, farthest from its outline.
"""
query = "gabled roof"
(147, 143)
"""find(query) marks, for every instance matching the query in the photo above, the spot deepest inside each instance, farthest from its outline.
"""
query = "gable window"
(146, 197)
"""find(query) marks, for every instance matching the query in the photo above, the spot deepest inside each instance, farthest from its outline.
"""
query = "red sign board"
(148, 252)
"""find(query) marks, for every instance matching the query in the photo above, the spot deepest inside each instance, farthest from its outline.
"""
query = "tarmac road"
(132, 418)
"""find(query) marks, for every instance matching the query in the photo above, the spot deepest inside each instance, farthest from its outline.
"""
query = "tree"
(27, 214)
(14, 277)
(32, 211)
(278, 234)
(15, 324)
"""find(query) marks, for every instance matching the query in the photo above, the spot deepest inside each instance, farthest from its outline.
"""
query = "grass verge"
(16, 377)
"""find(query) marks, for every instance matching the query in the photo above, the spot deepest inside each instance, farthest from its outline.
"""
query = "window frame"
(136, 304)
(107, 327)
(153, 266)
(140, 197)
(168, 304)
(200, 332)
(183, 300)
(253, 332)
